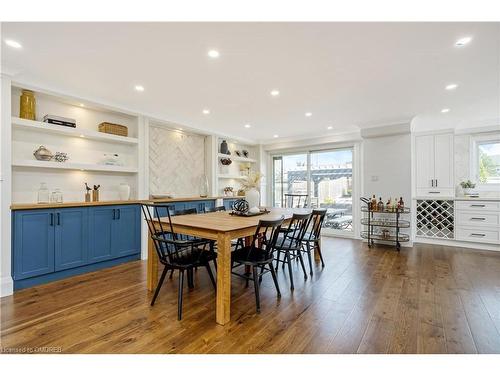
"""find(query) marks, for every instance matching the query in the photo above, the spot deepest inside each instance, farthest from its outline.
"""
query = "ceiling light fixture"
(206, 111)
(247, 126)
(82, 105)
(275, 136)
(463, 41)
(275, 93)
(308, 114)
(445, 110)
(213, 54)
(13, 44)
(330, 127)
(451, 86)
(139, 88)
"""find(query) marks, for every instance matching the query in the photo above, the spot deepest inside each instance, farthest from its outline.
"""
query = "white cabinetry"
(478, 221)
(434, 165)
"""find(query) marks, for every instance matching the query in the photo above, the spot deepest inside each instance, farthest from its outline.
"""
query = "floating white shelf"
(72, 166)
(43, 127)
(237, 158)
(230, 176)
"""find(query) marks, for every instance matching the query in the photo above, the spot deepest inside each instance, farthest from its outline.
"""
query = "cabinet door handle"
(119, 214)
(114, 214)
(432, 183)
(436, 182)
(477, 205)
(51, 219)
(478, 234)
(434, 192)
(478, 218)
(58, 218)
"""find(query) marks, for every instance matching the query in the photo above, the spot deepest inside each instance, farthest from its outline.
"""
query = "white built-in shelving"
(72, 166)
(236, 158)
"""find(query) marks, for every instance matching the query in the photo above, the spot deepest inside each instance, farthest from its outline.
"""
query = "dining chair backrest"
(187, 211)
(266, 235)
(215, 209)
(295, 200)
(296, 230)
(316, 223)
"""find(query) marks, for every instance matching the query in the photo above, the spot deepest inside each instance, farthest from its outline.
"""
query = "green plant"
(467, 184)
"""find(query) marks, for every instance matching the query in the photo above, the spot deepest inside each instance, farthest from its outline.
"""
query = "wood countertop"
(32, 206)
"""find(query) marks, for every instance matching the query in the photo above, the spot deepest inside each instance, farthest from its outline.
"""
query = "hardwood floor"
(428, 299)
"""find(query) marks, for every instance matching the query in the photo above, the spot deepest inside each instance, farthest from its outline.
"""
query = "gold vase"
(27, 105)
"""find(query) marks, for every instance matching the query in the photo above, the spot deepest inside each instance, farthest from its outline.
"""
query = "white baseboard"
(470, 245)
(6, 286)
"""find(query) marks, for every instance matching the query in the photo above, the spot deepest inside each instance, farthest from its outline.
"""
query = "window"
(486, 160)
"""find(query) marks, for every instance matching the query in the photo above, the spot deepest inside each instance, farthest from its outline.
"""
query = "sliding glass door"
(320, 179)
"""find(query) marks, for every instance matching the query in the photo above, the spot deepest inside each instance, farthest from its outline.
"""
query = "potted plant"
(251, 185)
(467, 187)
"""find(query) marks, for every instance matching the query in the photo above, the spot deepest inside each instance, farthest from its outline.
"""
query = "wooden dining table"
(222, 227)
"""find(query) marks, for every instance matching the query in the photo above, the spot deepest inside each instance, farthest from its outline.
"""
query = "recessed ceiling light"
(445, 110)
(330, 127)
(308, 114)
(247, 126)
(463, 41)
(139, 88)
(181, 129)
(206, 111)
(275, 136)
(82, 136)
(451, 86)
(275, 92)
(13, 44)
(213, 54)
(82, 105)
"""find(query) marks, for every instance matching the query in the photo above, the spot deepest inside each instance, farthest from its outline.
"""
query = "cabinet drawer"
(478, 218)
(477, 235)
(478, 206)
(435, 192)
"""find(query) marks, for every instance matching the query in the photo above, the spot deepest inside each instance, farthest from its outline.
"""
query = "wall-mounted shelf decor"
(387, 218)
(435, 219)
(237, 158)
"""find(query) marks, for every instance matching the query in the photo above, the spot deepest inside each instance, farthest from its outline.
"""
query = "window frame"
(475, 142)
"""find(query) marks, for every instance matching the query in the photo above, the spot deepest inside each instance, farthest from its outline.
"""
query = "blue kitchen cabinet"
(101, 223)
(33, 243)
(71, 238)
(126, 230)
(228, 203)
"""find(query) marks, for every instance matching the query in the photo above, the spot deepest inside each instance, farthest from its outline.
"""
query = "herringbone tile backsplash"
(176, 162)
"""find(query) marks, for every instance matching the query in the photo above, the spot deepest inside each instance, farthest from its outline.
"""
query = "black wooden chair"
(295, 200)
(312, 236)
(290, 244)
(176, 251)
(215, 209)
(259, 255)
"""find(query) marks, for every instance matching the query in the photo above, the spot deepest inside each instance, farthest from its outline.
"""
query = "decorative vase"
(468, 191)
(42, 153)
(27, 105)
(203, 186)
(252, 196)
(224, 149)
(124, 190)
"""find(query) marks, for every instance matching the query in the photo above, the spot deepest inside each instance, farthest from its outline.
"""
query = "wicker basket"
(110, 128)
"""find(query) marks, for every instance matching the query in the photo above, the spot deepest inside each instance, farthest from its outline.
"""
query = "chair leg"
(277, 260)
(171, 274)
(289, 262)
(308, 249)
(190, 278)
(299, 255)
(318, 249)
(209, 270)
(160, 283)
(275, 279)
(256, 286)
(262, 268)
(179, 295)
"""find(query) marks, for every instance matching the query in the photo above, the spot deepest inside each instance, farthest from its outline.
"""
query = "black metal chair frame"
(215, 209)
(263, 242)
(313, 236)
(171, 247)
(290, 244)
(291, 198)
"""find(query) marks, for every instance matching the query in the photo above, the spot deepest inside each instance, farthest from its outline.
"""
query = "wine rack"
(434, 219)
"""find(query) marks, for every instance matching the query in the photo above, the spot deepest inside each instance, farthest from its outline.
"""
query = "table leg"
(152, 273)
(223, 303)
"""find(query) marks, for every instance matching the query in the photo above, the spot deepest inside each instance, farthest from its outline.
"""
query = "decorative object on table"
(228, 191)
(111, 159)
(59, 120)
(42, 153)
(251, 185)
(116, 129)
(27, 105)
(468, 187)
(237, 153)
(240, 205)
(87, 192)
(56, 196)
(241, 192)
(124, 191)
(203, 186)
(226, 161)
(224, 148)
(43, 193)
(245, 153)
(95, 193)
(61, 157)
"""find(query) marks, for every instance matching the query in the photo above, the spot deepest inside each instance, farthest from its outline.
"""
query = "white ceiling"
(349, 75)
